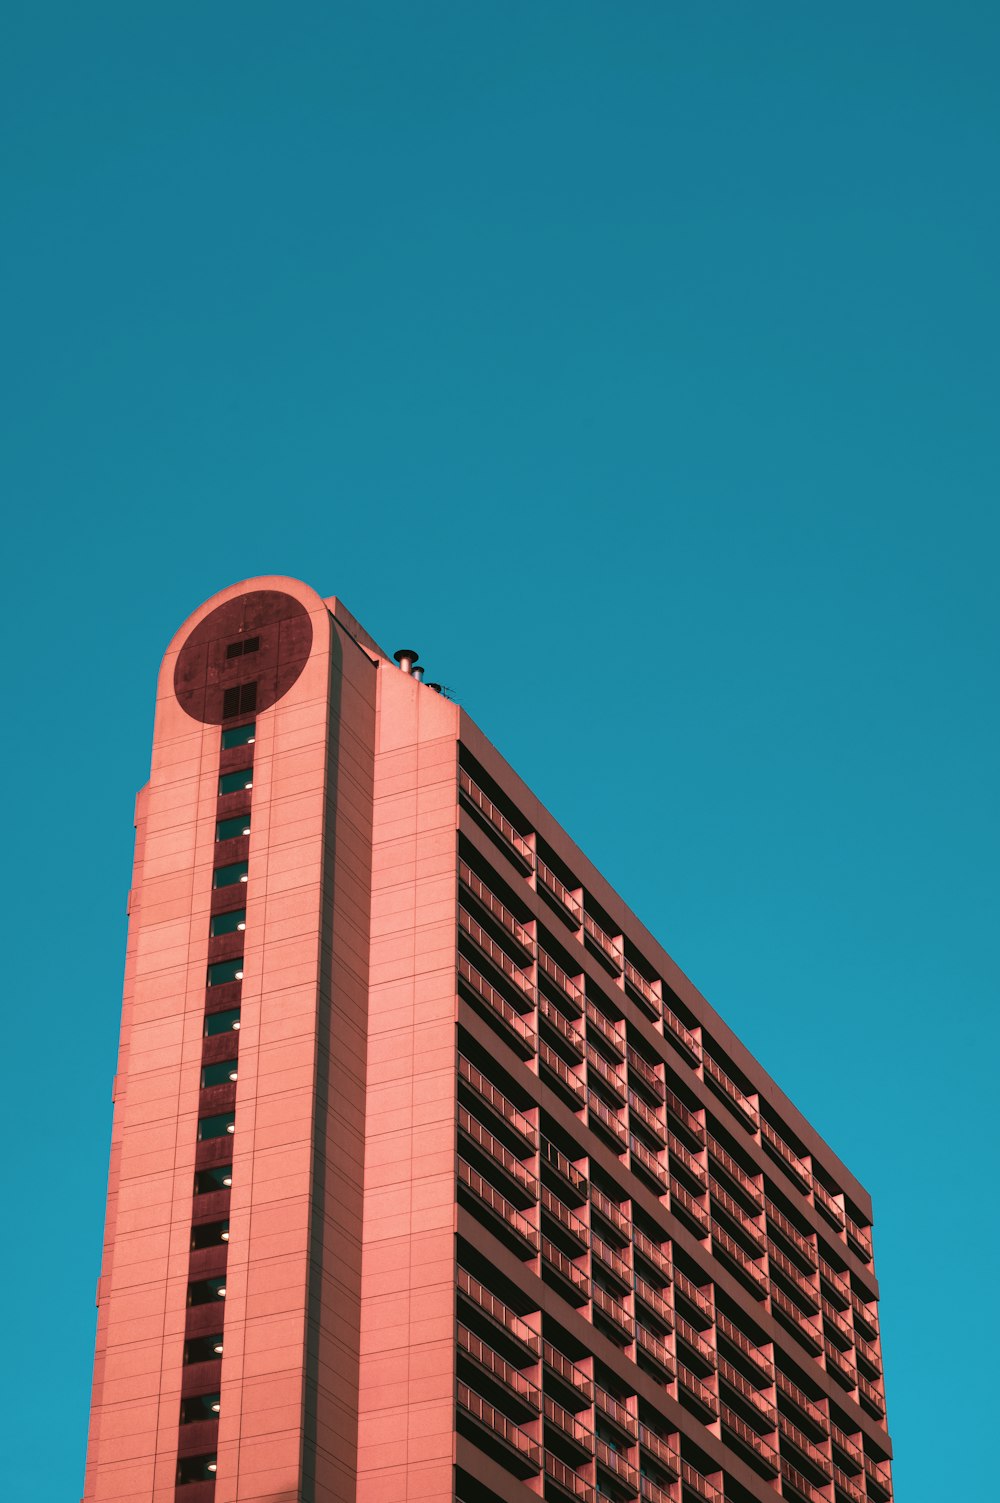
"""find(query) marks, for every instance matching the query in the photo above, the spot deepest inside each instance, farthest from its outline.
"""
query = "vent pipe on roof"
(406, 657)
(418, 674)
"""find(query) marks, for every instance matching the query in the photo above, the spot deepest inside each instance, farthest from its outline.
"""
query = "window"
(210, 1234)
(203, 1349)
(217, 1126)
(218, 1177)
(232, 829)
(206, 1291)
(236, 782)
(219, 1074)
(229, 923)
(225, 970)
(241, 699)
(222, 1022)
(200, 1406)
(239, 735)
(196, 1468)
(228, 876)
(242, 647)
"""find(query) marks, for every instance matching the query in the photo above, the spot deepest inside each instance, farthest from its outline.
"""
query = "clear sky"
(639, 364)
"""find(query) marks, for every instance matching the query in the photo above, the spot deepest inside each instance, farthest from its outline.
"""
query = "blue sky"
(640, 365)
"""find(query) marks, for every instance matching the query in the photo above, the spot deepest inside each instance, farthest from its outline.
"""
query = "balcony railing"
(795, 1239)
(841, 1366)
(572, 1178)
(840, 1327)
(520, 1032)
(759, 1403)
(741, 1219)
(674, 1029)
(683, 1158)
(749, 1438)
(646, 1163)
(685, 1119)
(513, 840)
(614, 1311)
(805, 1327)
(549, 1013)
(562, 981)
(696, 1343)
(616, 1218)
(860, 1238)
(613, 1034)
(696, 1298)
(879, 1476)
(602, 1116)
(800, 1486)
(548, 880)
(826, 1203)
(498, 1102)
(619, 1467)
(565, 1078)
(870, 1396)
(573, 1226)
(646, 1077)
(805, 1447)
(807, 1407)
(575, 1280)
(498, 957)
(484, 1140)
(612, 1261)
(700, 1485)
(500, 1315)
(569, 1426)
(643, 990)
(498, 1206)
(569, 1483)
(654, 1302)
(848, 1447)
(603, 943)
(716, 1076)
(793, 1273)
(846, 1487)
(484, 1414)
(599, 1069)
(651, 1492)
(498, 1367)
(697, 1388)
(663, 1453)
(682, 1200)
(865, 1315)
(649, 1120)
(838, 1284)
(654, 1255)
(503, 916)
(656, 1350)
(742, 1264)
(572, 1376)
(759, 1360)
(779, 1149)
(869, 1355)
(736, 1174)
(614, 1410)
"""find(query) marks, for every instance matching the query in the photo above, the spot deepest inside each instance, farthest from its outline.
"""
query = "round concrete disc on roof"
(243, 656)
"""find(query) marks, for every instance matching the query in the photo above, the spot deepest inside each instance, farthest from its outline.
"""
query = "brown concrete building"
(432, 1177)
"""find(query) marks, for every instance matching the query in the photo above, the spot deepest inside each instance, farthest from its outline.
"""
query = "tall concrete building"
(432, 1177)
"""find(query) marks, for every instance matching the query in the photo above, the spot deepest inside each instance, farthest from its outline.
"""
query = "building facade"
(432, 1177)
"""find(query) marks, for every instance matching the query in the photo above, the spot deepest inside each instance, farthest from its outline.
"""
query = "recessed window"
(232, 829)
(228, 876)
(217, 1126)
(236, 782)
(203, 1349)
(241, 699)
(222, 1022)
(218, 1177)
(196, 1468)
(223, 1073)
(242, 647)
(206, 1291)
(225, 970)
(210, 1234)
(199, 1406)
(239, 735)
(229, 923)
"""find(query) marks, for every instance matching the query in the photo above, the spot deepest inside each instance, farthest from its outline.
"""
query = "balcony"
(521, 1181)
(613, 1034)
(605, 948)
(805, 1447)
(618, 1467)
(838, 1326)
(517, 1031)
(779, 1150)
(571, 1228)
(577, 1437)
(615, 1314)
(860, 1238)
(513, 842)
(725, 1164)
(678, 1033)
(572, 1179)
(647, 1120)
(837, 1285)
(794, 1485)
(726, 1087)
(500, 1316)
(651, 1492)
(868, 1356)
(795, 1240)
(805, 1327)
(865, 1316)
(879, 1476)
(643, 991)
(846, 1488)
(703, 1351)
(663, 1453)
(606, 1122)
(611, 1261)
(656, 1258)
(568, 1036)
(501, 1108)
(572, 1378)
(831, 1209)
(565, 901)
(520, 1451)
(808, 1408)
(564, 984)
(563, 1080)
(805, 1288)
(619, 1221)
(848, 1448)
(694, 1482)
(572, 1282)
(870, 1397)
(655, 1353)
(840, 1366)
(758, 1403)
(506, 1220)
(499, 1370)
(497, 911)
(697, 1389)
(497, 957)
(724, 1204)
(565, 1482)
(646, 1078)
(598, 1069)
(683, 1118)
(698, 1300)
(758, 1360)
(683, 1203)
(740, 1432)
(648, 1166)
(654, 1303)
(616, 1413)
(732, 1254)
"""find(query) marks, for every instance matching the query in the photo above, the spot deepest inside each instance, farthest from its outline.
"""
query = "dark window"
(217, 1126)
(228, 876)
(195, 1469)
(206, 1291)
(236, 782)
(228, 923)
(225, 970)
(242, 647)
(239, 735)
(218, 1177)
(220, 1074)
(232, 829)
(200, 1406)
(210, 1234)
(203, 1349)
(241, 699)
(221, 1022)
